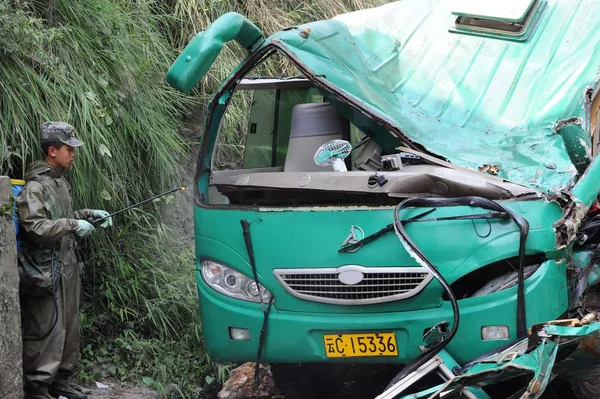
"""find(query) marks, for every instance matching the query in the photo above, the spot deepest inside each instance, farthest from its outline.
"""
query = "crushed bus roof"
(472, 100)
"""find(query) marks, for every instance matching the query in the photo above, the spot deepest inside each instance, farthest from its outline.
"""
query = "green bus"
(416, 187)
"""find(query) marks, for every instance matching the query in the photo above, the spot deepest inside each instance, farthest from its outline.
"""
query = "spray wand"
(96, 221)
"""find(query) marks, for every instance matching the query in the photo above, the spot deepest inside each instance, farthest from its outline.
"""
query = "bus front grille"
(353, 284)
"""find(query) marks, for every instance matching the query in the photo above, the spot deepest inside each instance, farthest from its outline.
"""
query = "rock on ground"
(241, 384)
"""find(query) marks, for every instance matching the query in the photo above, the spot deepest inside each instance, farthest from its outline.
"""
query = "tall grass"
(100, 65)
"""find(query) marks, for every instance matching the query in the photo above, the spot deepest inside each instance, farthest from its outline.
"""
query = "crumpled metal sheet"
(536, 356)
(474, 101)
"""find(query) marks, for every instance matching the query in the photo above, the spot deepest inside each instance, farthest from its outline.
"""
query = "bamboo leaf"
(105, 195)
(104, 151)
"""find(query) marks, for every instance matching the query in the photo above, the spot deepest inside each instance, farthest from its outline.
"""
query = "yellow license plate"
(365, 344)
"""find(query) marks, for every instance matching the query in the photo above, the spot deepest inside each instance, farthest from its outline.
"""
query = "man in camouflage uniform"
(48, 267)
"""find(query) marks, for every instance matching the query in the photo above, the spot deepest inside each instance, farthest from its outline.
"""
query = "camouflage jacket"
(45, 210)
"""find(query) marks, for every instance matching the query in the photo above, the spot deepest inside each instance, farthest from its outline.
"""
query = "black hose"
(408, 243)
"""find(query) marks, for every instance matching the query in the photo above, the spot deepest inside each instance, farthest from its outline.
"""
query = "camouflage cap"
(59, 131)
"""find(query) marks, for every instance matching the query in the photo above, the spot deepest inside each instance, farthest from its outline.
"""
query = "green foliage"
(100, 65)
(6, 209)
(102, 69)
(151, 315)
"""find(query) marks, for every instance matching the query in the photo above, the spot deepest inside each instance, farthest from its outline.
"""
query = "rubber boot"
(37, 391)
(69, 391)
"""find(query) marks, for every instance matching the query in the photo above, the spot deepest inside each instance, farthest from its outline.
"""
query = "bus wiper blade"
(418, 218)
(489, 215)
(390, 227)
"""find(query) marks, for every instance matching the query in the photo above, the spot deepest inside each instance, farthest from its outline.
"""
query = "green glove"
(99, 214)
(84, 228)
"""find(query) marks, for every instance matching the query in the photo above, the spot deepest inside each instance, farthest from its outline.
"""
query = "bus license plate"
(355, 345)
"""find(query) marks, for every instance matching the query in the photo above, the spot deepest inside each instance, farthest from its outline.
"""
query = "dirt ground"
(121, 391)
(369, 386)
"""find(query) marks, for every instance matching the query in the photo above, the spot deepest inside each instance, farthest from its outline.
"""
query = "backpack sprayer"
(94, 222)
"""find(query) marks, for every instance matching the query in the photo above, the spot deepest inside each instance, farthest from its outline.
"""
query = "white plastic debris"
(100, 385)
(61, 397)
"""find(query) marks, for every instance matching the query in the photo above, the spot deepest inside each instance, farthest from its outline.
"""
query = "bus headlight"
(232, 283)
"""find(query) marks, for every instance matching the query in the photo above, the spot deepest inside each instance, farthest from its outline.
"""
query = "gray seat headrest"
(312, 126)
(317, 119)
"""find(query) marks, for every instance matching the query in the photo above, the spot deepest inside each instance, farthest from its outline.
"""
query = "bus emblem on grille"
(356, 235)
(350, 277)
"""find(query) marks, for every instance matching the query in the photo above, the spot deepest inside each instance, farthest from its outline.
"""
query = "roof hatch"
(508, 19)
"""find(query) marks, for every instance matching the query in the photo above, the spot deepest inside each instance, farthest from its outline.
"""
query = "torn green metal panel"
(577, 347)
(574, 342)
(537, 363)
(452, 364)
(582, 362)
(565, 331)
(471, 100)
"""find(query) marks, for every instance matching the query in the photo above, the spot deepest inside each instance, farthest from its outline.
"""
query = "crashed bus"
(421, 191)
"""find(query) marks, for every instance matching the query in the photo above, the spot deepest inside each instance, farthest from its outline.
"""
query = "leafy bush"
(100, 65)
(148, 309)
